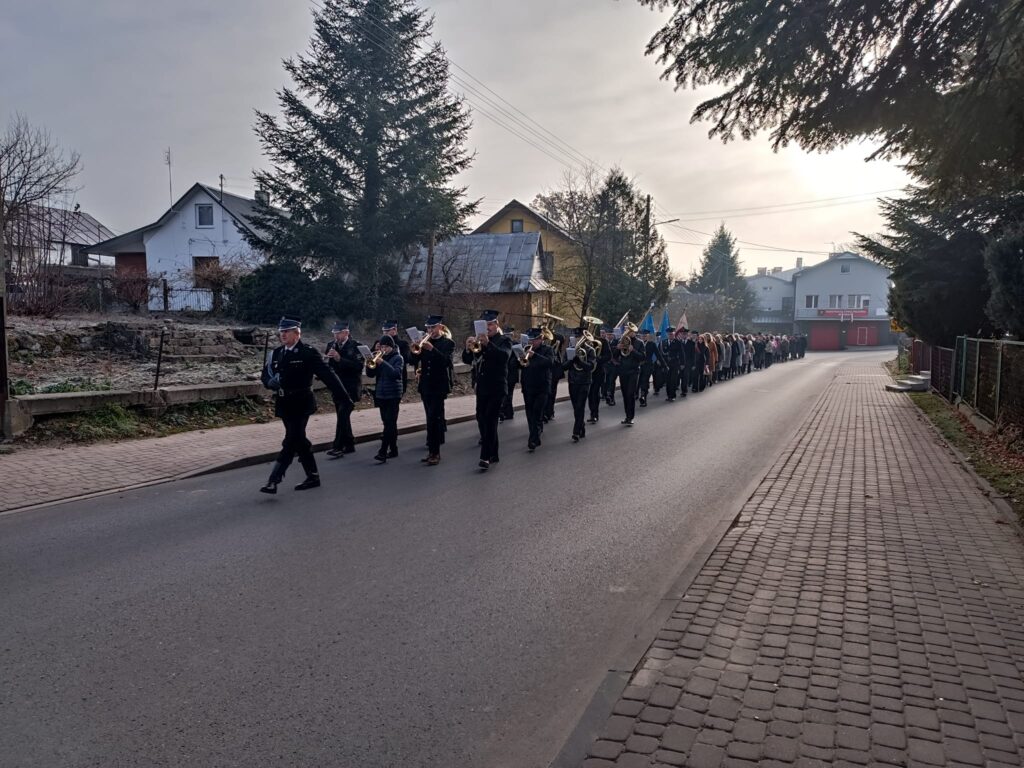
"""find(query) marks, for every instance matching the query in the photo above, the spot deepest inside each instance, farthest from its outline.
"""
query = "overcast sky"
(122, 80)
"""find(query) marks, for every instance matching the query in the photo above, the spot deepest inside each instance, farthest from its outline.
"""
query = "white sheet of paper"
(415, 334)
(480, 327)
(570, 353)
(519, 351)
(572, 342)
(365, 351)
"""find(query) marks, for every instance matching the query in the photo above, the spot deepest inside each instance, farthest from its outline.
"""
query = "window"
(858, 301)
(844, 268)
(517, 225)
(811, 302)
(204, 215)
(787, 304)
(835, 301)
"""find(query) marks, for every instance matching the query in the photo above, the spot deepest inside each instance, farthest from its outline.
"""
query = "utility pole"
(4, 383)
(170, 185)
(430, 268)
(647, 230)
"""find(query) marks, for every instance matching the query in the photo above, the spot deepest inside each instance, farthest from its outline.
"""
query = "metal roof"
(480, 263)
(58, 225)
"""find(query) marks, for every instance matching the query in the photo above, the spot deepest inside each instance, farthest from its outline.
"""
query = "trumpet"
(473, 344)
(374, 360)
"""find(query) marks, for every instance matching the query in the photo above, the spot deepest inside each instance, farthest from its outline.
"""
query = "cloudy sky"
(122, 80)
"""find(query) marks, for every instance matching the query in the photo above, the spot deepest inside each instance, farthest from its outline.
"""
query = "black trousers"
(343, 437)
(673, 382)
(645, 379)
(295, 443)
(609, 383)
(433, 408)
(596, 395)
(549, 403)
(389, 417)
(629, 383)
(536, 408)
(487, 408)
(579, 395)
(508, 410)
(659, 379)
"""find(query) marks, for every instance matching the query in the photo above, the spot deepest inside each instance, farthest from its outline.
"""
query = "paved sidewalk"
(867, 609)
(35, 476)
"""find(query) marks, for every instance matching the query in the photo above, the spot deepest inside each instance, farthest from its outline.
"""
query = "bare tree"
(34, 169)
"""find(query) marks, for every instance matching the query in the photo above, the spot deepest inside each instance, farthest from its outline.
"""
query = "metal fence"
(986, 374)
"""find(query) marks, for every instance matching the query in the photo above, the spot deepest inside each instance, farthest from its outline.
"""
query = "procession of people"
(599, 361)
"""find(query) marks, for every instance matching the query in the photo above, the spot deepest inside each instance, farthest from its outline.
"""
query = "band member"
(688, 340)
(386, 366)
(580, 366)
(436, 375)
(490, 352)
(597, 383)
(652, 359)
(289, 373)
(627, 357)
(508, 409)
(535, 379)
(611, 371)
(659, 377)
(390, 328)
(674, 356)
(347, 363)
(558, 357)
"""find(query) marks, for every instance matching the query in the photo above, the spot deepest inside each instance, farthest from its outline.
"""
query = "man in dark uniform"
(652, 359)
(290, 372)
(700, 361)
(604, 358)
(611, 370)
(347, 363)
(558, 357)
(688, 346)
(659, 376)
(508, 408)
(674, 361)
(579, 366)
(627, 357)
(390, 327)
(535, 379)
(491, 353)
(436, 375)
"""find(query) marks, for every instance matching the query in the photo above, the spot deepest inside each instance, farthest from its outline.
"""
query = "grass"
(1001, 466)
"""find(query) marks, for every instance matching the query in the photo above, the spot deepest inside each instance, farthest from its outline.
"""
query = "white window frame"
(858, 301)
(200, 206)
(835, 301)
(811, 301)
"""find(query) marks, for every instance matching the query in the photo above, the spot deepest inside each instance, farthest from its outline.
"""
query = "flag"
(647, 324)
(683, 322)
(665, 326)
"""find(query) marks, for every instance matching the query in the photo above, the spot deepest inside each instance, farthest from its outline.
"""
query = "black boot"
(311, 481)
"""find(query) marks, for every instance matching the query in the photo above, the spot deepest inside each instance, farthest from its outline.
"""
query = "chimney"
(776, 270)
(762, 271)
(262, 196)
(799, 262)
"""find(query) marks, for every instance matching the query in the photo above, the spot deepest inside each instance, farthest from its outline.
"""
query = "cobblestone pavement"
(867, 609)
(41, 475)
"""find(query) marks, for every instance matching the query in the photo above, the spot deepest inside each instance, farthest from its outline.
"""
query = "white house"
(204, 226)
(775, 298)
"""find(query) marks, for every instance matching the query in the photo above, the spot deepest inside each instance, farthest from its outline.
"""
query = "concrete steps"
(921, 382)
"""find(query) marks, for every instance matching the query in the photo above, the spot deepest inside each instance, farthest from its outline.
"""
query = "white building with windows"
(204, 226)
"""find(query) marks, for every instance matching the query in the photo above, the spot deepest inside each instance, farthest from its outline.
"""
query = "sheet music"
(480, 327)
(519, 351)
(365, 351)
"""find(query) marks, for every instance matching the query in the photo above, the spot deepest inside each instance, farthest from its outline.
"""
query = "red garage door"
(823, 337)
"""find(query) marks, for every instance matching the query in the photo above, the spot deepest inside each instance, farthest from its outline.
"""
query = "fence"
(986, 374)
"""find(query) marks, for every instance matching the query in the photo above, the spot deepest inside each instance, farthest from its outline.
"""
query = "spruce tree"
(722, 274)
(365, 150)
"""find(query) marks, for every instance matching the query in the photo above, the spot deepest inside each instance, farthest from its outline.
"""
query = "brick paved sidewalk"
(866, 609)
(41, 475)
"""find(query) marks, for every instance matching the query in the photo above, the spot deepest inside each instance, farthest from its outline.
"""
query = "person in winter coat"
(579, 366)
(387, 394)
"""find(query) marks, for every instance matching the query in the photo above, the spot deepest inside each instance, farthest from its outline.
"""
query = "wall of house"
(172, 248)
(825, 279)
(769, 291)
(566, 261)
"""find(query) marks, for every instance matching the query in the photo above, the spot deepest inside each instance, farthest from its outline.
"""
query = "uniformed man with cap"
(289, 373)
(535, 380)
(390, 327)
(653, 359)
(345, 360)
(610, 370)
(597, 383)
(580, 365)
(436, 375)
(489, 352)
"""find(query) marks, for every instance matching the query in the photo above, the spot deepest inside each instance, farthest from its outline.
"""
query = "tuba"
(548, 330)
(591, 333)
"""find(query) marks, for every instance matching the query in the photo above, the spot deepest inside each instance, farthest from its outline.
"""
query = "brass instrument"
(374, 360)
(548, 330)
(593, 324)
(473, 344)
(525, 359)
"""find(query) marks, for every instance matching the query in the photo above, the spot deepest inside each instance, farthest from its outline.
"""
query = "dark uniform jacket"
(581, 370)
(629, 363)
(675, 353)
(349, 366)
(491, 365)
(603, 359)
(290, 375)
(435, 365)
(652, 354)
(558, 357)
(536, 375)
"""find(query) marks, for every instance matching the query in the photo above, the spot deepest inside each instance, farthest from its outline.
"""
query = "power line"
(783, 205)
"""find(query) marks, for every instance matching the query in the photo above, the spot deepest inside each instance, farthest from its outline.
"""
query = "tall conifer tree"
(365, 150)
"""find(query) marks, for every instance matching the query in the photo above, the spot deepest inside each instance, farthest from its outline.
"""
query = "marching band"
(595, 358)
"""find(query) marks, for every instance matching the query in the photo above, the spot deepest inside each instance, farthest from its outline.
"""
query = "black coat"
(675, 353)
(630, 362)
(652, 354)
(690, 354)
(491, 364)
(535, 377)
(349, 366)
(581, 371)
(435, 366)
(291, 374)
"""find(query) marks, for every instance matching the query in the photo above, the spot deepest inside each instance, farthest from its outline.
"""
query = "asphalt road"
(398, 616)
